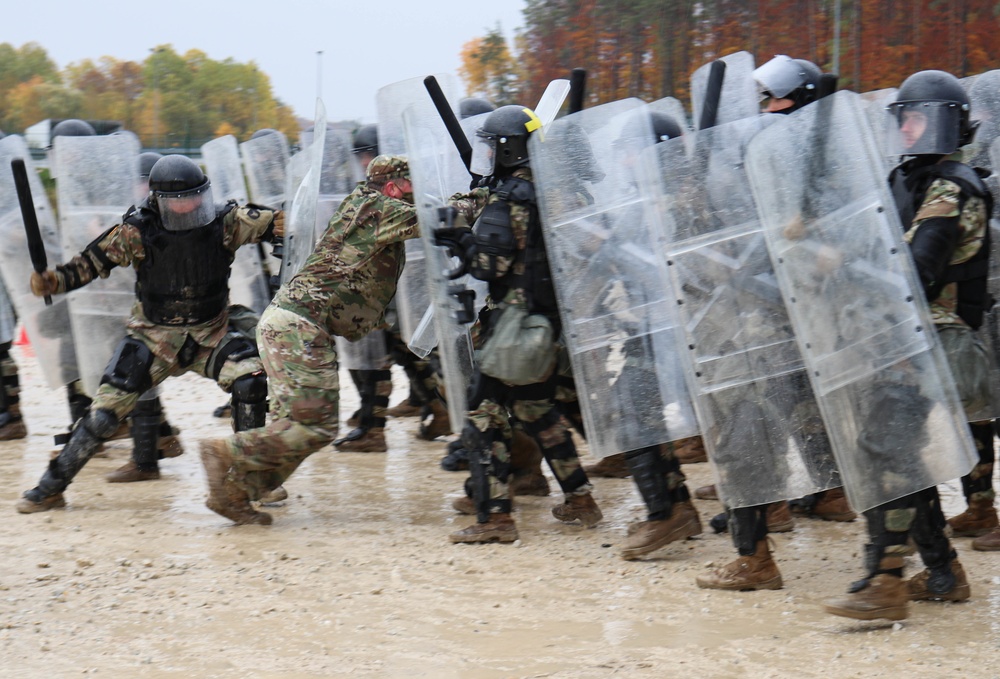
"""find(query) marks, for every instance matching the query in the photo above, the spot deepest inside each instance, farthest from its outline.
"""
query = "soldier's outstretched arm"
(118, 246)
(252, 224)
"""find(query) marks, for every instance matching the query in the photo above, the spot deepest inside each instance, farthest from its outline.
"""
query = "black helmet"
(146, 162)
(503, 139)
(365, 140)
(73, 127)
(263, 132)
(786, 78)
(474, 106)
(181, 193)
(665, 127)
(932, 112)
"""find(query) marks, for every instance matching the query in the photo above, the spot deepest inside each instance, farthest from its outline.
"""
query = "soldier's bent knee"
(128, 369)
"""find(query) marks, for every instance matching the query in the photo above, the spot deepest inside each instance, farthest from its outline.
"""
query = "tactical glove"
(279, 224)
(46, 283)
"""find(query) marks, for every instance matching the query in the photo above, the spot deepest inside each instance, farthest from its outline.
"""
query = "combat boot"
(500, 528)
(690, 450)
(28, 506)
(580, 508)
(130, 473)
(526, 477)
(439, 424)
(648, 536)
(405, 409)
(610, 467)
(529, 482)
(13, 429)
(464, 505)
(751, 572)
(706, 492)
(918, 588)
(355, 419)
(989, 542)
(779, 518)
(979, 519)
(225, 498)
(273, 496)
(884, 595)
(457, 458)
(372, 441)
(832, 506)
(169, 444)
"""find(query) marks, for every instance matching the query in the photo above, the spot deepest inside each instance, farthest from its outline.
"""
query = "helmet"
(72, 127)
(473, 106)
(786, 78)
(932, 113)
(146, 162)
(263, 132)
(384, 168)
(502, 141)
(181, 193)
(365, 140)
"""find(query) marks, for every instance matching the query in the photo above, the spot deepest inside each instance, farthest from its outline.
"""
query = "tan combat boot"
(756, 571)
(645, 537)
(706, 492)
(500, 528)
(833, 506)
(439, 424)
(526, 477)
(273, 496)
(405, 409)
(580, 508)
(14, 429)
(610, 467)
(979, 519)
(885, 596)
(225, 497)
(690, 450)
(26, 506)
(917, 586)
(528, 483)
(130, 473)
(989, 542)
(373, 441)
(779, 518)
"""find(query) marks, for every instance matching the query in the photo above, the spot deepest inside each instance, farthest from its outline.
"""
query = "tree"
(488, 69)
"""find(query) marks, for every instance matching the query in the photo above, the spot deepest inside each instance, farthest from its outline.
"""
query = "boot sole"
(26, 506)
(688, 530)
(991, 548)
(976, 533)
(773, 583)
(240, 519)
(134, 478)
(483, 539)
(890, 613)
(957, 595)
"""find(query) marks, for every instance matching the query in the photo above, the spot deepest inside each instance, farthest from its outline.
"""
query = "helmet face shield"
(186, 210)
(484, 154)
(924, 127)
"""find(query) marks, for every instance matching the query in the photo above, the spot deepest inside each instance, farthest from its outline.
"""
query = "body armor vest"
(494, 238)
(909, 183)
(184, 277)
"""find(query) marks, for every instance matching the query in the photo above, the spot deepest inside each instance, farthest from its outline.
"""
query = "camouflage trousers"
(9, 385)
(303, 385)
(534, 407)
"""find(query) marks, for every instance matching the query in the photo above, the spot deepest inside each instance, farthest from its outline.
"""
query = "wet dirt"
(356, 578)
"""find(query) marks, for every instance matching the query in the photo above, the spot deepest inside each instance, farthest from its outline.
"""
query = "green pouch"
(520, 349)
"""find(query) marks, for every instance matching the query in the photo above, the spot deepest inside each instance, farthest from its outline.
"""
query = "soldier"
(506, 249)
(342, 290)
(944, 207)
(181, 246)
(11, 423)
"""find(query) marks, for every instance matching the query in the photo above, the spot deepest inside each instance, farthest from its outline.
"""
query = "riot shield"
(433, 164)
(412, 296)
(551, 101)
(758, 417)
(880, 120)
(618, 315)
(739, 94)
(368, 353)
(247, 282)
(264, 160)
(881, 378)
(97, 179)
(301, 217)
(48, 327)
(339, 175)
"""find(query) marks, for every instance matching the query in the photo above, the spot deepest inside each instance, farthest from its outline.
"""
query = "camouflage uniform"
(533, 405)
(11, 424)
(342, 289)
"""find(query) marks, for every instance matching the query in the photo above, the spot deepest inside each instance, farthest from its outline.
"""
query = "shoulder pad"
(225, 208)
(516, 189)
(140, 216)
(967, 178)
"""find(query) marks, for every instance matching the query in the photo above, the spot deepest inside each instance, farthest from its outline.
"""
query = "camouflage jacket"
(349, 279)
(121, 245)
(942, 199)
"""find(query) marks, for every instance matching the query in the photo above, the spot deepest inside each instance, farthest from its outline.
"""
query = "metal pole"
(319, 74)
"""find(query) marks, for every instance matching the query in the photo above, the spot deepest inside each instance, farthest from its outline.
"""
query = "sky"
(364, 45)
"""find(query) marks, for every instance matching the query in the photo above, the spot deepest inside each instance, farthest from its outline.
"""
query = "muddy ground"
(356, 578)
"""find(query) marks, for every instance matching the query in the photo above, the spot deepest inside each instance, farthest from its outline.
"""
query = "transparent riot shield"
(551, 101)
(301, 217)
(96, 185)
(340, 174)
(876, 105)
(48, 327)
(881, 378)
(412, 296)
(759, 419)
(368, 353)
(610, 274)
(264, 160)
(8, 319)
(739, 93)
(247, 281)
(434, 164)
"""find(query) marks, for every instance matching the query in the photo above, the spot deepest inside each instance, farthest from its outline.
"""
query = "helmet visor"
(484, 154)
(923, 128)
(186, 210)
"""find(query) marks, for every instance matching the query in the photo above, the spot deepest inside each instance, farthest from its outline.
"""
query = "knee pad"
(233, 347)
(250, 388)
(101, 423)
(128, 369)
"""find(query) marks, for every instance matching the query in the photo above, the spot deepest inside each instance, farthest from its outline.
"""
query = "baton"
(36, 249)
(450, 121)
(577, 90)
(713, 92)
